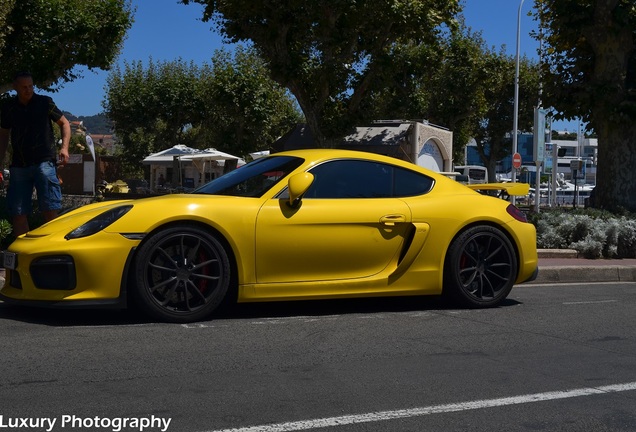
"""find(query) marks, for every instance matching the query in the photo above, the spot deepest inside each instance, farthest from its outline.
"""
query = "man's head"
(23, 85)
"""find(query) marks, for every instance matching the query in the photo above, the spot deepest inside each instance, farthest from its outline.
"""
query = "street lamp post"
(515, 125)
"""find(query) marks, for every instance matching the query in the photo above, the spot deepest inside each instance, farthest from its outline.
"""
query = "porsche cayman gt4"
(308, 224)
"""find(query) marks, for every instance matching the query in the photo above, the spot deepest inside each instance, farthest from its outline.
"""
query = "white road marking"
(590, 302)
(103, 326)
(435, 409)
(561, 284)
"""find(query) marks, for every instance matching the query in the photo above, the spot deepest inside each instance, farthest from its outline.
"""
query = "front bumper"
(83, 273)
(120, 302)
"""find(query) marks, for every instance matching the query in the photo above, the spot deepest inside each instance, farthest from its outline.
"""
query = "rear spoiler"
(509, 188)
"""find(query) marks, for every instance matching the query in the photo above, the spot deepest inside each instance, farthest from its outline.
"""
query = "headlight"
(98, 223)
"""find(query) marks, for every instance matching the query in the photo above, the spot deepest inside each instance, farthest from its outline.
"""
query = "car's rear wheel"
(182, 274)
(481, 267)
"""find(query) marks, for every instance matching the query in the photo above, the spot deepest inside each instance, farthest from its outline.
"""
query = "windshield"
(253, 179)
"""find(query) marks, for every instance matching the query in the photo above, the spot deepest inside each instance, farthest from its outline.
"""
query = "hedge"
(592, 233)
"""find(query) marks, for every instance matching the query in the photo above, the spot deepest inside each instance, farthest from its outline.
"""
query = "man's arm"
(65, 131)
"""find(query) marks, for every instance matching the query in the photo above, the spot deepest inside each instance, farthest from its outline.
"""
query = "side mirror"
(297, 186)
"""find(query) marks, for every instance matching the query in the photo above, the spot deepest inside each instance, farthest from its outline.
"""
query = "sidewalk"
(563, 266)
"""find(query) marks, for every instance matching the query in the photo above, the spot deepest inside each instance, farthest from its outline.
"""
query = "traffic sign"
(516, 160)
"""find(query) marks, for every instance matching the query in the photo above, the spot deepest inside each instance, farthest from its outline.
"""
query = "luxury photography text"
(73, 422)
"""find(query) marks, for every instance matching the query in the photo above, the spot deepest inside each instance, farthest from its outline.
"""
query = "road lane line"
(435, 409)
(590, 302)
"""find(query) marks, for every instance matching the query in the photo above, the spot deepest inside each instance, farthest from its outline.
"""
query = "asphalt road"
(553, 358)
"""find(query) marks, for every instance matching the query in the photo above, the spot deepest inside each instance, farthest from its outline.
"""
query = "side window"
(411, 183)
(365, 179)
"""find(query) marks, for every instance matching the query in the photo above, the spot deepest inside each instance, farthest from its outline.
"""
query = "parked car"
(308, 224)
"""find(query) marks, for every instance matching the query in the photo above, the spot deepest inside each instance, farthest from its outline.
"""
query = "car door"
(348, 226)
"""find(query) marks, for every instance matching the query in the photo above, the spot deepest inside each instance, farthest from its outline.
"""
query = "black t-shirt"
(32, 136)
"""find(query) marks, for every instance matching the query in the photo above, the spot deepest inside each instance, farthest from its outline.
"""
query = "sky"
(166, 30)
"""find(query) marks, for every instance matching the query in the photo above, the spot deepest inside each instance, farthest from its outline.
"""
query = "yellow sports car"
(308, 224)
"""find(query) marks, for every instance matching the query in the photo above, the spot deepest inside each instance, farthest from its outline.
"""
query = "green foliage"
(450, 94)
(468, 91)
(153, 108)
(77, 145)
(50, 38)
(249, 111)
(589, 57)
(5, 229)
(329, 54)
(491, 137)
(231, 105)
(626, 239)
(6, 6)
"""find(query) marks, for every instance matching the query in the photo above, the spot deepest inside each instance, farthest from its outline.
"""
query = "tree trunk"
(312, 112)
(320, 141)
(616, 169)
(492, 170)
(613, 43)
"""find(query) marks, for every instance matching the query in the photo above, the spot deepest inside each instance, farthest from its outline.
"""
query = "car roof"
(319, 155)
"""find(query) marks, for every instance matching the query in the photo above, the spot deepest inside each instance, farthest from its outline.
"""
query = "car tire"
(481, 267)
(182, 274)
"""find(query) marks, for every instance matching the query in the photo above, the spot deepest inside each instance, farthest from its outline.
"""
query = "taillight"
(516, 213)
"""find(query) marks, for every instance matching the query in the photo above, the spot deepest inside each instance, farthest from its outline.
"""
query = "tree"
(470, 90)
(456, 93)
(50, 38)
(154, 107)
(590, 72)
(232, 105)
(329, 53)
(247, 109)
(6, 6)
(494, 141)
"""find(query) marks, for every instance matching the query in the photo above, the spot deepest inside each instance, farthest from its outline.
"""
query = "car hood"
(145, 214)
(74, 218)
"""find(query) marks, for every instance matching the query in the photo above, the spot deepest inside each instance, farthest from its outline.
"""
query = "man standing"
(27, 119)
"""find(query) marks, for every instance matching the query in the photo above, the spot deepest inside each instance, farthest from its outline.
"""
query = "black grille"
(14, 279)
(54, 273)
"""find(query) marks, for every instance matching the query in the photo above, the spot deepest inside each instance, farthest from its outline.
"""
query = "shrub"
(547, 235)
(626, 238)
(592, 233)
(5, 229)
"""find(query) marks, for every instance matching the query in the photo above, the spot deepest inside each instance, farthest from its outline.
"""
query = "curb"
(557, 253)
(570, 274)
(565, 266)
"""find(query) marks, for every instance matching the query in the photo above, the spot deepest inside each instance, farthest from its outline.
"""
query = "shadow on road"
(317, 308)
(65, 317)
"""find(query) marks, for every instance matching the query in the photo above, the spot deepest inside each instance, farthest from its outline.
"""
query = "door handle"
(392, 219)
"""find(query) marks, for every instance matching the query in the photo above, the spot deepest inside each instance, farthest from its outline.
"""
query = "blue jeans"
(22, 180)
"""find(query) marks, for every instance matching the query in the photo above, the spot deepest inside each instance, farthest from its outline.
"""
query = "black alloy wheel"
(481, 267)
(182, 274)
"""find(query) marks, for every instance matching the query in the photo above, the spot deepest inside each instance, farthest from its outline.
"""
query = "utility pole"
(515, 126)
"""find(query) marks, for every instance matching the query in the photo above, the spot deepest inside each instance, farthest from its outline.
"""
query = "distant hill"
(96, 124)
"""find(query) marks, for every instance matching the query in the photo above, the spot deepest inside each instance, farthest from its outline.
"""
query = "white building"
(586, 149)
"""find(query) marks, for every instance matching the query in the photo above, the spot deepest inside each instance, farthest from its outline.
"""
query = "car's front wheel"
(182, 274)
(481, 267)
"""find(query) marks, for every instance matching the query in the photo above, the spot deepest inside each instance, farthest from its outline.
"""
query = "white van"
(475, 174)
